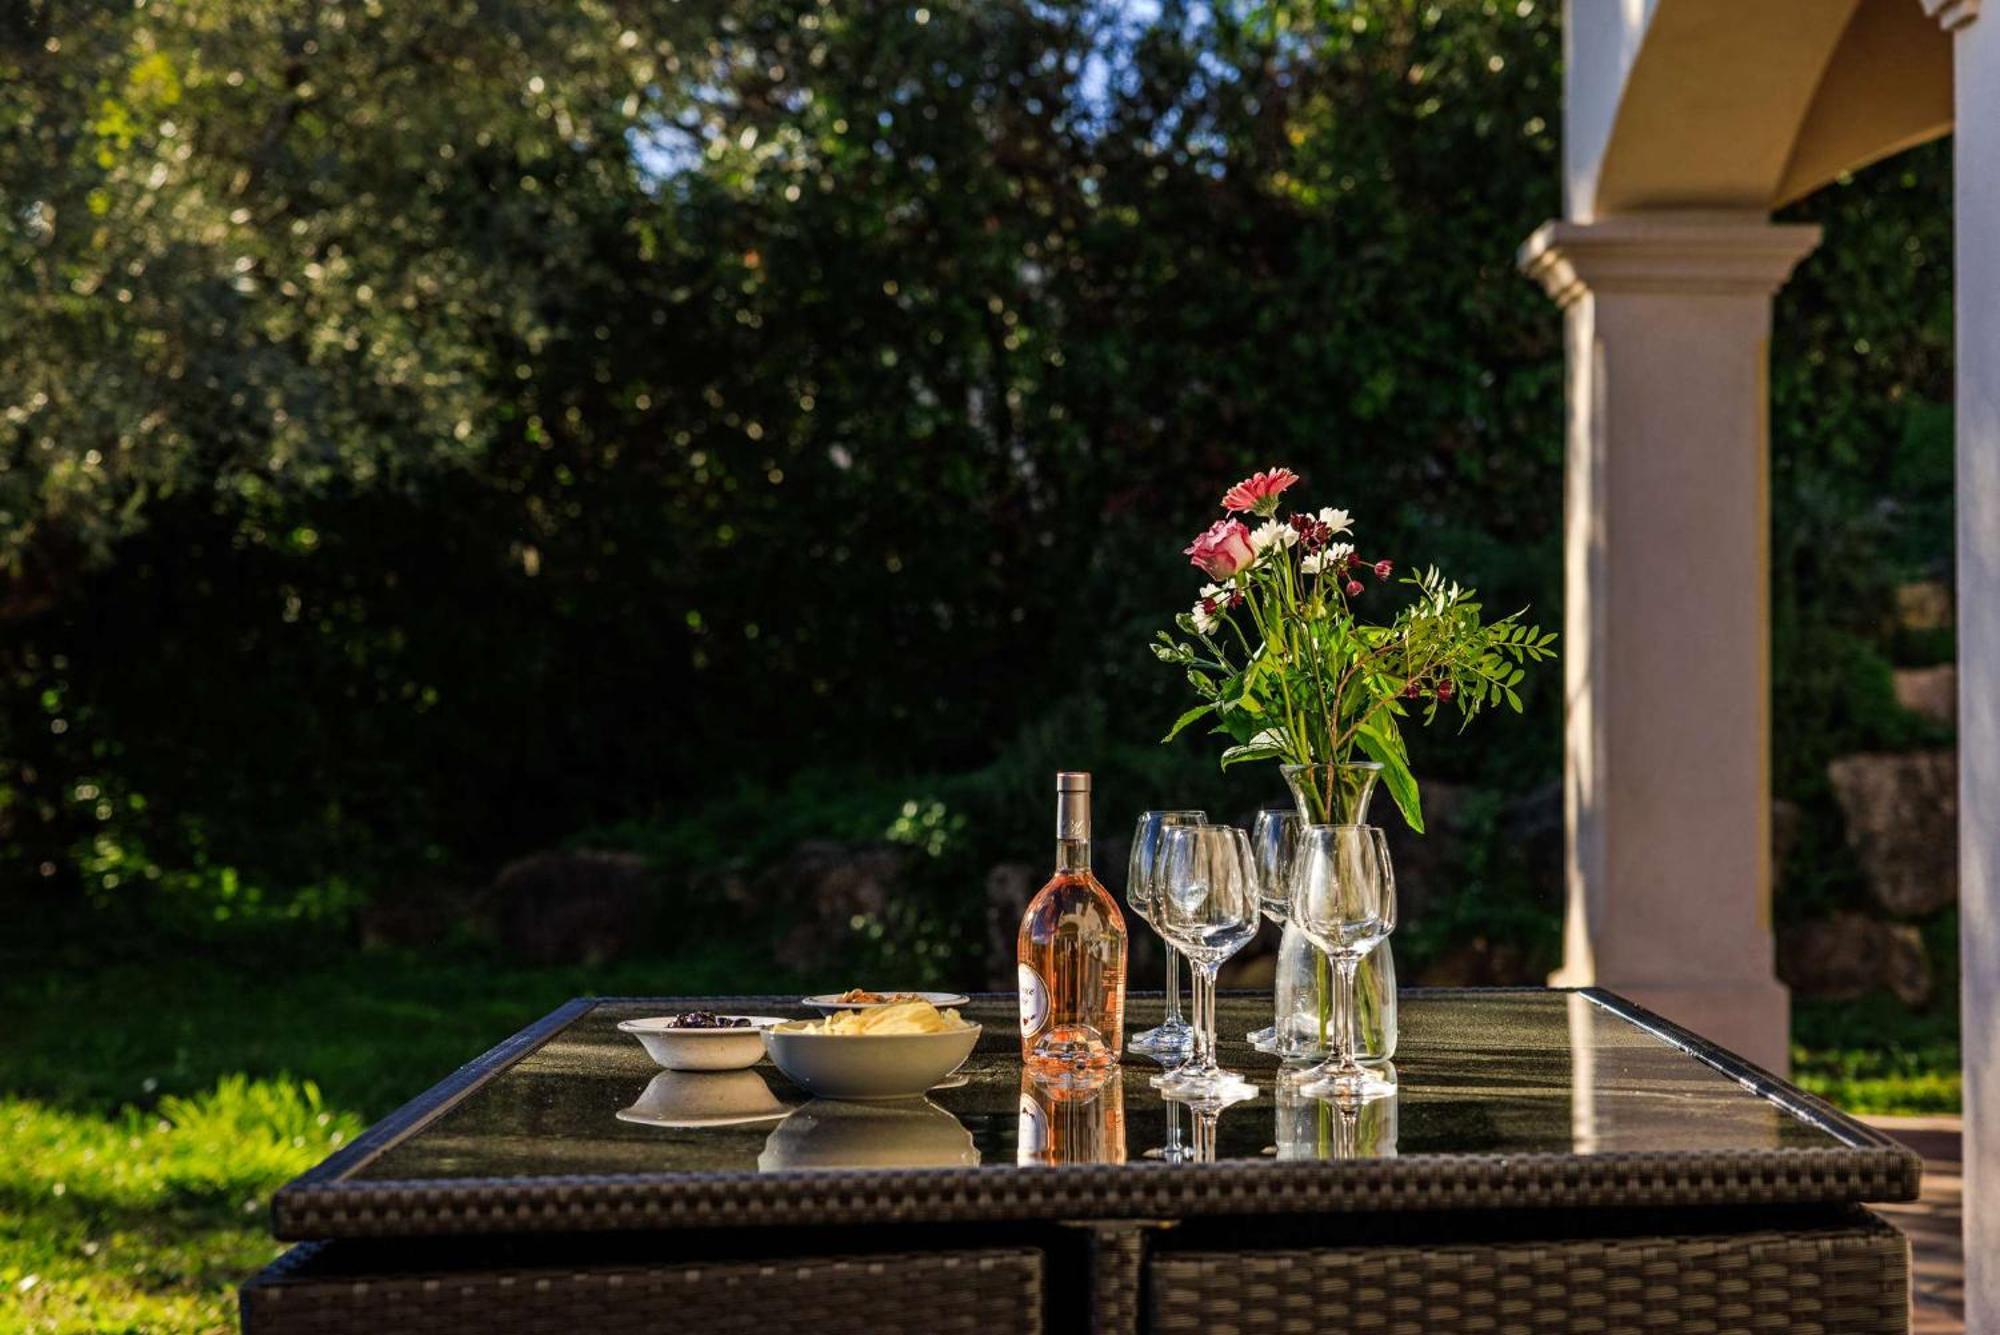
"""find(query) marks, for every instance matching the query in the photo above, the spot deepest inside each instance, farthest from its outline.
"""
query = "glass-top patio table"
(1561, 1156)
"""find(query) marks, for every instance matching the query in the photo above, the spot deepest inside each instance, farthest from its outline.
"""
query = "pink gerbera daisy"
(1258, 493)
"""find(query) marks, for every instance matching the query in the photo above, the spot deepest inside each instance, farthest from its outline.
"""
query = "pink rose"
(1223, 550)
(1258, 493)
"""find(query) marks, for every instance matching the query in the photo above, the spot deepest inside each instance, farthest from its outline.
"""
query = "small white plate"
(701, 1049)
(829, 1002)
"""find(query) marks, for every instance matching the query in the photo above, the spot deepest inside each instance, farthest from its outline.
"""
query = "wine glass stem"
(1173, 986)
(1344, 967)
(1204, 1016)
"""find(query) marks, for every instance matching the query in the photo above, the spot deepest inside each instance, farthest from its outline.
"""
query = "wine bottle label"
(1034, 1001)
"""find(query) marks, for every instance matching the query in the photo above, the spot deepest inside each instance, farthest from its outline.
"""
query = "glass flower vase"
(1333, 794)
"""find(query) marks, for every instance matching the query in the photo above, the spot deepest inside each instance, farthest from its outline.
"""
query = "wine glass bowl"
(1343, 895)
(1275, 838)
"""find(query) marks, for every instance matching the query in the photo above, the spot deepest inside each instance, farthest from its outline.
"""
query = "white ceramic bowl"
(869, 1066)
(910, 1133)
(705, 1098)
(829, 1002)
(701, 1049)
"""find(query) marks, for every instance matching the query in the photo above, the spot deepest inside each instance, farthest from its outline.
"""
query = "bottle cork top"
(1072, 781)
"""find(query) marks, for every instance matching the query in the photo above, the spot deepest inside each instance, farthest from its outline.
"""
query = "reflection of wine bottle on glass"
(1071, 1120)
(1071, 953)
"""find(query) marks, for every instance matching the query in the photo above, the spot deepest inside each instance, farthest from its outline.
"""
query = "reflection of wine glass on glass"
(1315, 1128)
(1170, 1042)
(1176, 1148)
(1275, 838)
(1205, 1109)
(1344, 899)
(1206, 903)
(1071, 1121)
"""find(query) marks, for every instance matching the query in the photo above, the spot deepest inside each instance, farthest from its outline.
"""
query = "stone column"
(1666, 649)
(1976, 187)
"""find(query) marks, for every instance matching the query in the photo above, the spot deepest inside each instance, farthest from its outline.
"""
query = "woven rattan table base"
(1834, 1281)
(995, 1292)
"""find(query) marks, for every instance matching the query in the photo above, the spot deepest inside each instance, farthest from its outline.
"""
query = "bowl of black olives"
(702, 1040)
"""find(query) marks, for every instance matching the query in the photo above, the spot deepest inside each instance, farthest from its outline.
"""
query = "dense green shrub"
(432, 431)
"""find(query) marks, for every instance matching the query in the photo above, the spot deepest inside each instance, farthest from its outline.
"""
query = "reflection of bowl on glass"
(833, 1133)
(705, 1098)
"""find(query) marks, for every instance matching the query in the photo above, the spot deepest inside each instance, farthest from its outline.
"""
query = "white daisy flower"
(1338, 520)
(1327, 558)
(1206, 621)
(1271, 535)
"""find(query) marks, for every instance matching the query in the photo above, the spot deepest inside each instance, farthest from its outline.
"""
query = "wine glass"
(1344, 900)
(1170, 1042)
(1206, 903)
(1275, 837)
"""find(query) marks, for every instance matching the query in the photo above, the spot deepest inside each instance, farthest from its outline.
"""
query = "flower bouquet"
(1302, 652)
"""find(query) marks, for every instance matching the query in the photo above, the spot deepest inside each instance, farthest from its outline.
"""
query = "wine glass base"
(1264, 1040)
(1359, 1086)
(1169, 1044)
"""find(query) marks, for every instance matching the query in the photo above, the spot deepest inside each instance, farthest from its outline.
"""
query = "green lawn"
(1875, 1056)
(147, 1112)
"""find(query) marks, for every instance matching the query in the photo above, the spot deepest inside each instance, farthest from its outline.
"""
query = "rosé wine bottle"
(1071, 954)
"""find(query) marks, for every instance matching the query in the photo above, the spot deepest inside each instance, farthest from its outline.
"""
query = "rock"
(1850, 955)
(1009, 887)
(820, 892)
(572, 906)
(1480, 963)
(1924, 605)
(1931, 692)
(1901, 813)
